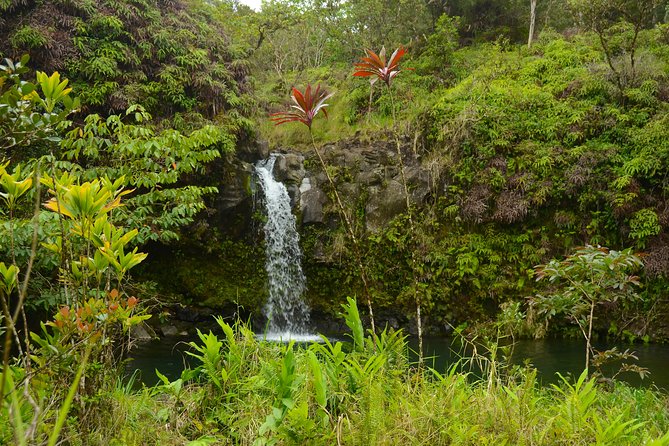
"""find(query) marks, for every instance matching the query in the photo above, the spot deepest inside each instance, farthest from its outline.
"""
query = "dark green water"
(549, 356)
(567, 357)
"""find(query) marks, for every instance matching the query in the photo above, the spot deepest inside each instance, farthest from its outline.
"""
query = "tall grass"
(250, 392)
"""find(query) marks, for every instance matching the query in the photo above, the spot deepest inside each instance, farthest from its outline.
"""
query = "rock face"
(232, 210)
(383, 203)
(367, 175)
(289, 169)
(236, 187)
(312, 200)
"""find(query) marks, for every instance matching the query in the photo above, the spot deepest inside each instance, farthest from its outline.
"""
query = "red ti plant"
(375, 65)
(306, 106)
(304, 110)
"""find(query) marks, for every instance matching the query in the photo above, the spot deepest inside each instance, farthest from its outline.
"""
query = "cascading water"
(286, 311)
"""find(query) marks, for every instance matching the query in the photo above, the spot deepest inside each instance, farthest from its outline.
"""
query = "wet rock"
(293, 194)
(236, 187)
(289, 168)
(311, 202)
(383, 204)
(169, 330)
(142, 332)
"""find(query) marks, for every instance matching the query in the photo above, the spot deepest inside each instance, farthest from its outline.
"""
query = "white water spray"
(286, 311)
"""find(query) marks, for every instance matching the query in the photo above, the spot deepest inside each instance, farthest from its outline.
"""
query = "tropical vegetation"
(522, 151)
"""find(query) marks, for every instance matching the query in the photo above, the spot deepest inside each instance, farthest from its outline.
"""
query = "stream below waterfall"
(548, 356)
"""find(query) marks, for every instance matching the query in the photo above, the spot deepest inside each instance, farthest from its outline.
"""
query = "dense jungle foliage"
(532, 189)
(530, 151)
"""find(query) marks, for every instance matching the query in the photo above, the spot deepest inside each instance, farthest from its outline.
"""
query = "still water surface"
(564, 356)
(549, 356)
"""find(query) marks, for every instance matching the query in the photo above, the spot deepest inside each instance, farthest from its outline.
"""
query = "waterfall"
(286, 311)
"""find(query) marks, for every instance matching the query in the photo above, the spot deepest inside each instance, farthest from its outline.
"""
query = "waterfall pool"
(298, 338)
(548, 356)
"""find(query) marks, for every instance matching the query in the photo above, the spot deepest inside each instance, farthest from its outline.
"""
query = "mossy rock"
(233, 275)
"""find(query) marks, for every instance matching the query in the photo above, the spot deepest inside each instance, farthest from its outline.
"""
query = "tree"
(154, 162)
(31, 111)
(533, 19)
(170, 57)
(617, 24)
(585, 280)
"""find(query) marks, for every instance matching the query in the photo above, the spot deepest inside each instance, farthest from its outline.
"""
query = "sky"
(255, 4)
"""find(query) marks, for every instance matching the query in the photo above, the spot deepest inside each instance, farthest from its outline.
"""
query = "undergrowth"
(364, 392)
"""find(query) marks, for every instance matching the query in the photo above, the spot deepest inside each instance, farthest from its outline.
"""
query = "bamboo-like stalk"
(412, 233)
(351, 231)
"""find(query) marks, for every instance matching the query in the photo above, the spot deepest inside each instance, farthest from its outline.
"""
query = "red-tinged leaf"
(307, 105)
(65, 311)
(375, 65)
(307, 96)
(373, 58)
(397, 55)
(373, 61)
(298, 98)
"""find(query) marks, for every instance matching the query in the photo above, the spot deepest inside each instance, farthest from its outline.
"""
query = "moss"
(232, 275)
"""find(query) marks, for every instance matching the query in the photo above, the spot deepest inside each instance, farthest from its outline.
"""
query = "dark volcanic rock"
(367, 175)
(289, 168)
(311, 202)
(236, 186)
(383, 204)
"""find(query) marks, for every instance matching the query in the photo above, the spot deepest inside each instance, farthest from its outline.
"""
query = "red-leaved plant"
(306, 106)
(304, 110)
(375, 65)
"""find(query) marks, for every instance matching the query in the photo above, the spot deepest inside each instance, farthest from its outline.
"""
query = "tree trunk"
(533, 19)
(588, 346)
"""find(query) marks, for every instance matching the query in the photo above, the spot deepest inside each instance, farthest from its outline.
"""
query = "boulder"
(289, 168)
(169, 330)
(383, 204)
(311, 202)
(142, 332)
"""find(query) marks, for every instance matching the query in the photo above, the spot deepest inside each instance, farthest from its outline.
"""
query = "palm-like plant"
(306, 106)
(375, 65)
